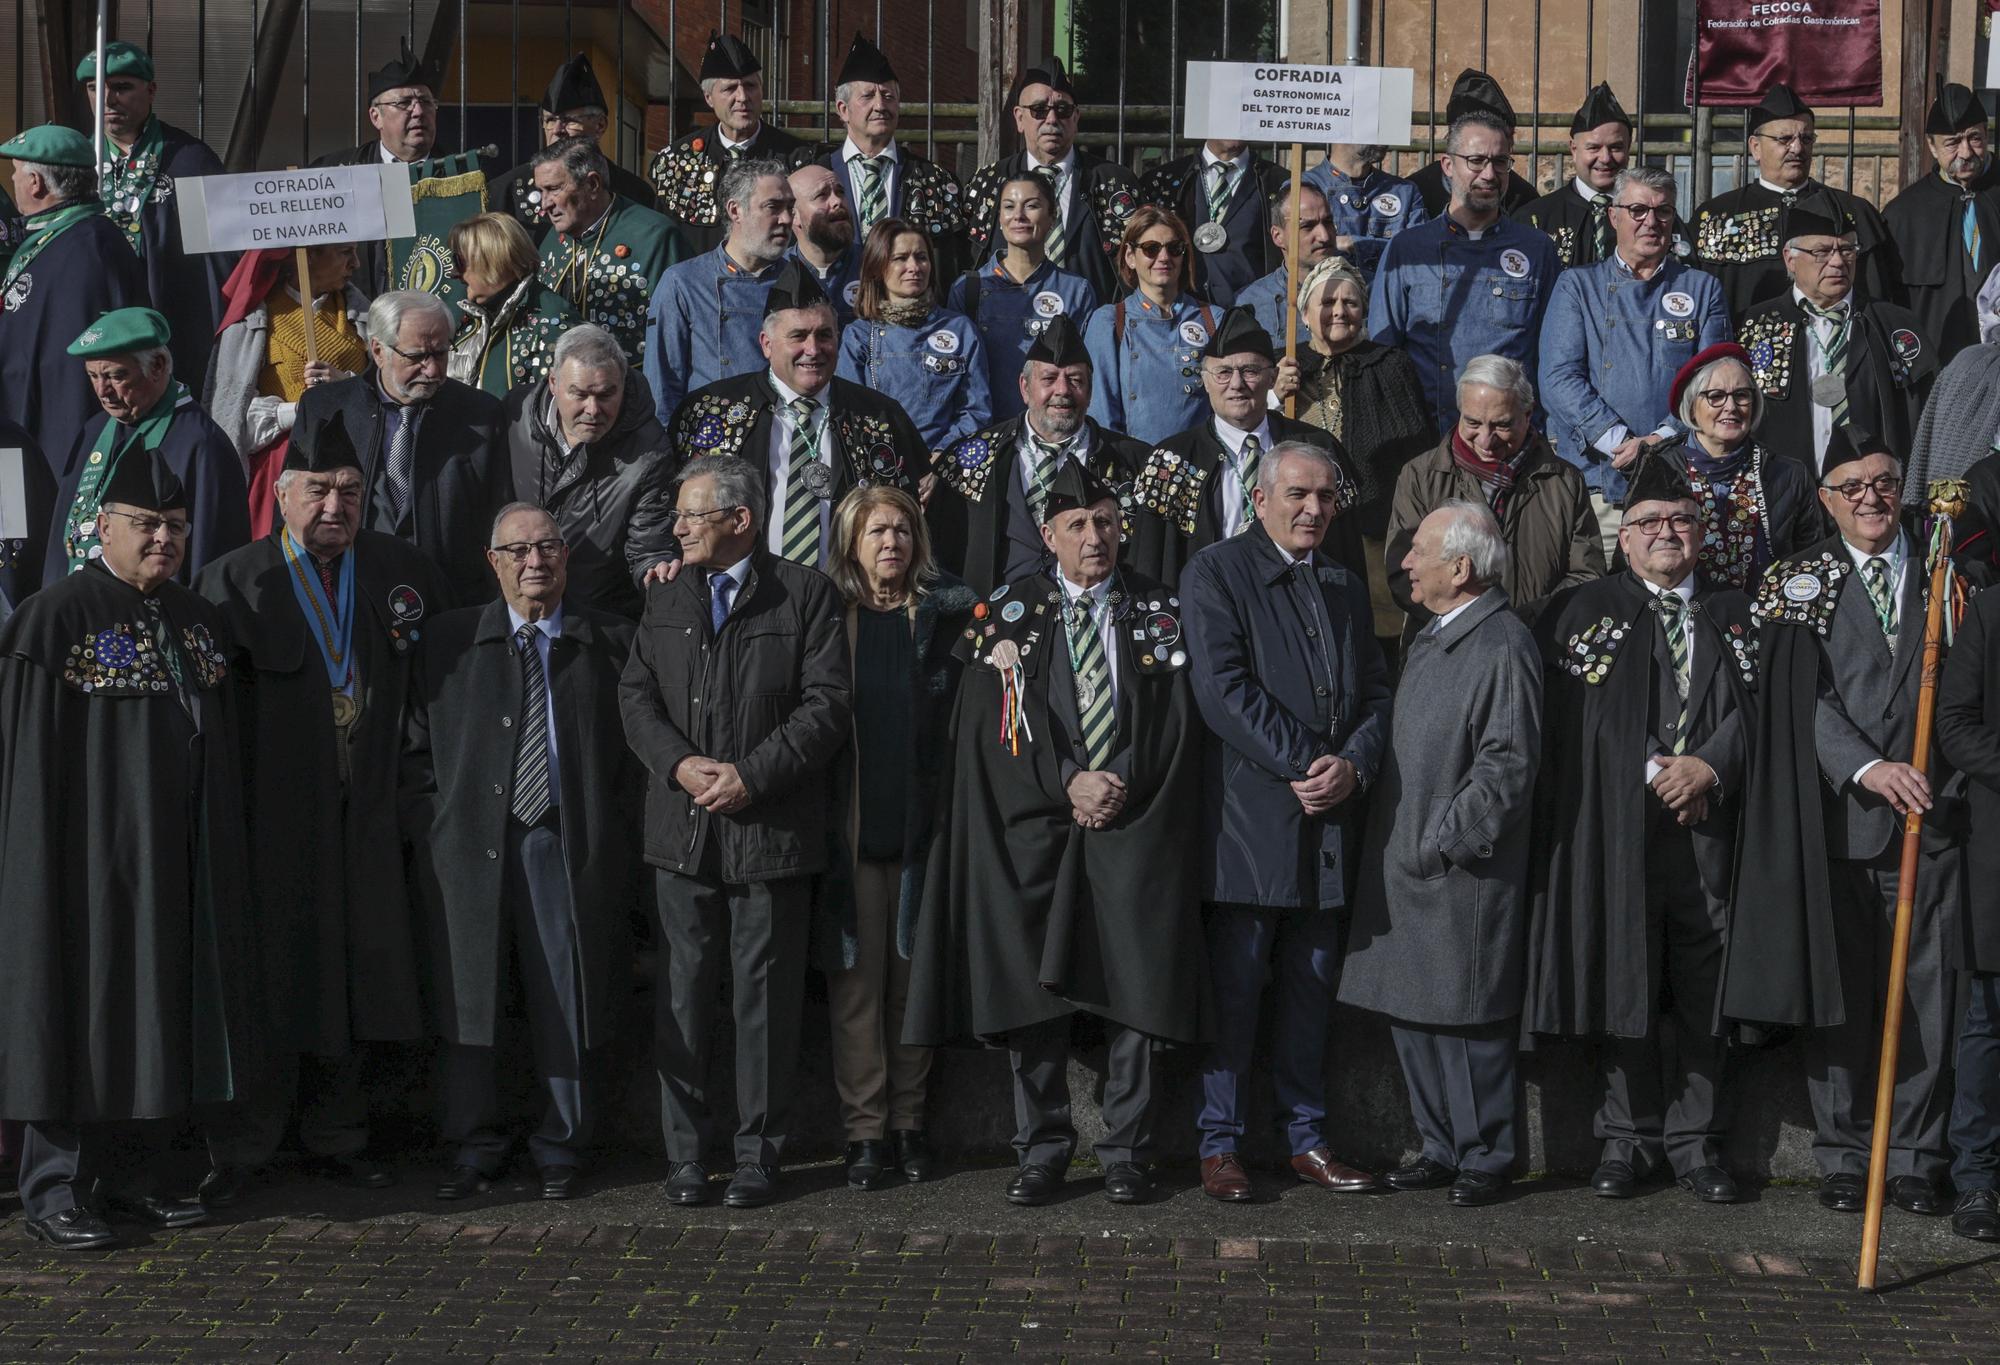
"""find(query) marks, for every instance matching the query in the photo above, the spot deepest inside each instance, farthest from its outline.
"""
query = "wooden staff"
(1947, 500)
(304, 268)
(1292, 272)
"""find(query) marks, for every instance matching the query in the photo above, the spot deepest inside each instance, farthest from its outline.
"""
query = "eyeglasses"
(1641, 212)
(1041, 109)
(1884, 486)
(518, 551)
(677, 516)
(1790, 139)
(1151, 250)
(1480, 163)
(408, 105)
(420, 357)
(1681, 522)
(1229, 374)
(1847, 251)
(1716, 398)
(179, 528)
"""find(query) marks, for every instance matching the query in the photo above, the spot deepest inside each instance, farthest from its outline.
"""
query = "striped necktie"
(1055, 242)
(1600, 225)
(1246, 476)
(1673, 617)
(874, 191)
(1970, 231)
(397, 470)
(1833, 352)
(1875, 573)
(1048, 459)
(1093, 683)
(1218, 192)
(170, 652)
(801, 543)
(531, 756)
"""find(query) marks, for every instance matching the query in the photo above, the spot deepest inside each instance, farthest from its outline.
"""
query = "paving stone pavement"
(949, 1272)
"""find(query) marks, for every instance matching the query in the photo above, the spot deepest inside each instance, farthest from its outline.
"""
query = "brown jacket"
(1550, 527)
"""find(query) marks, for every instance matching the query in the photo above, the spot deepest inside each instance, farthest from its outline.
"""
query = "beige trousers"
(880, 1080)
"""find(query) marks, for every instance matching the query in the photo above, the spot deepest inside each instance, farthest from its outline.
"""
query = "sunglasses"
(1151, 250)
(1041, 109)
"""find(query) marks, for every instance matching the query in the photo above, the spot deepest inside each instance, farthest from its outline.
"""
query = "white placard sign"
(317, 206)
(13, 495)
(1286, 102)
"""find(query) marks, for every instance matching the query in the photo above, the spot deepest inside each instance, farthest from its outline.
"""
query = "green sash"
(80, 530)
(44, 228)
(125, 184)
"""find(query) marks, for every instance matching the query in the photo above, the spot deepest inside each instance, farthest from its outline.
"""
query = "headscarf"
(1989, 308)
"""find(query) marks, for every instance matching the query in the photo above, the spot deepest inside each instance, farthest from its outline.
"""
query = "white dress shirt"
(1100, 606)
(1438, 623)
(1686, 593)
(547, 630)
(1025, 455)
(1229, 478)
(737, 574)
(1237, 166)
(857, 176)
(1819, 337)
(1899, 566)
(782, 423)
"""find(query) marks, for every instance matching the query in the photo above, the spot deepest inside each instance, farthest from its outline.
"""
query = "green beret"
(120, 59)
(126, 331)
(51, 145)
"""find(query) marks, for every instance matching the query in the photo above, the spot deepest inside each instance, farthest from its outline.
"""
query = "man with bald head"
(827, 238)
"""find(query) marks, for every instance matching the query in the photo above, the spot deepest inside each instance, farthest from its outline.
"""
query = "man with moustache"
(573, 106)
(688, 174)
(1945, 226)
(823, 222)
(606, 251)
(1269, 298)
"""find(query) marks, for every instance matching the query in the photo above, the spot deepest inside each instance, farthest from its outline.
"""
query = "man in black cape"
(148, 414)
(1841, 628)
(1577, 213)
(125, 989)
(687, 174)
(1945, 226)
(1646, 731)
(326, 621)
(73, 267)
(1739, 234)
(1474, 92)
(572, 106)
(985, 512)
(1826, 353)
(1062, 880)
(135, 182)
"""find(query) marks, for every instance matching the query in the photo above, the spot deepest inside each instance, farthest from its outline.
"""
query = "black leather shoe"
(1916, 1194)
(1614, 1180)
(561, 1182)
(1473, 1188)
(1977, 1215)
(1711, 1185)
(156, 1210)
(1843, 1193)
(462, 1182)
(753, 1186)
(223, 1186)
(868, 1164)
(913, 1154)
(355, 1172)
(1126, 1182)
(77, 1229)
(1035, 1184)
(687, 1184)
(1421, 1174)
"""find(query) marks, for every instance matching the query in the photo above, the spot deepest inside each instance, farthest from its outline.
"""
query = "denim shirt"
(842, 283)
(1010, 316)
(1611, 345)
(1265, 298)
(1371, 210)
(703, 326)
(1149, 385)
(1444, 298)
(936, 370)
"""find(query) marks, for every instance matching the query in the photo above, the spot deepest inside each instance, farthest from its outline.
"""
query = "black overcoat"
(1968, 728)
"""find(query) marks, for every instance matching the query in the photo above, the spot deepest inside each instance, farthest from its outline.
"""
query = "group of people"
(976, 593)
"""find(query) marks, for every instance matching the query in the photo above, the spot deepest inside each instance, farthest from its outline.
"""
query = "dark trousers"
(1462, 1089)
(60, 1162)
(1975, 1109)
(333, 1111)
(1841, 1062)
(1663, 1093)
(759, 930)
(1044, 1133)
(538, 928)
(1249, 948)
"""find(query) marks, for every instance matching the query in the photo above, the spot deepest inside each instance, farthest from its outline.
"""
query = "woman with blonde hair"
(508, 321)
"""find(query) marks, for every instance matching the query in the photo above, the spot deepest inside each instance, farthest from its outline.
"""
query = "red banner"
(1828, 51)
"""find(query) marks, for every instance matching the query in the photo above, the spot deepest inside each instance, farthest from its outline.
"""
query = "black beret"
(1060, 344)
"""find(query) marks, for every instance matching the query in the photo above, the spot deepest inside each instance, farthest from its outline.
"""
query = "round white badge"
(1678, 305)
(1048, 304)
(1515, 263)
(852, 294)
(1802, 587)
(1389, 205)
(1193, 333)
(944, 341)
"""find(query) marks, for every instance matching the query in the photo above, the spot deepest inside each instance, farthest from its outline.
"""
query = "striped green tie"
(1834, 353)
(1673, 615)
(1048, 459)
(1054, 243)
(1093, 683)
(1600, 225)
(801, 504)
(874, 191)
(1875, 573)
(1218, 192)
(1246, 475)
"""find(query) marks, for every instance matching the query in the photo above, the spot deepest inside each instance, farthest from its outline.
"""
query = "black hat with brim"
(1060, 344)
(728, 58)
(865, 62)
(402, 71)
(332, 448)
(1475, 92)
(1048, 71)
(1778, 103)
(1659, 478)
(1955, 110)
(1599, 108)
(795, 287)
(1075, 486)
(574, 86)
(143, 480)
(1239, 333)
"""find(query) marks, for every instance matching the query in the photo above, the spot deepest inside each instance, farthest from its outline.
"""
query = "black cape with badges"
(733, 417)
(127, 987)
(1176, 509)
(1027, 916)
(1738, 236)
(1890, 367)
(686, 175)
(86, 272)
(1941, 281)
(515, 194)
(338, 932)
(186, 289)
(1589, 941)
(1249, 253)
(207, 466)
(1103, 196)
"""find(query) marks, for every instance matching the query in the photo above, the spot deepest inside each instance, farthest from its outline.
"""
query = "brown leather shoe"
(1223, 1177)
(1323, 1168)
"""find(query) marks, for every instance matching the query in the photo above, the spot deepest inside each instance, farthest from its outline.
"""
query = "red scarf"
(1495, 476)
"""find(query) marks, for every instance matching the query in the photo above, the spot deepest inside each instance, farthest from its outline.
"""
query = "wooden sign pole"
(1292, 271)
(306, 299)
